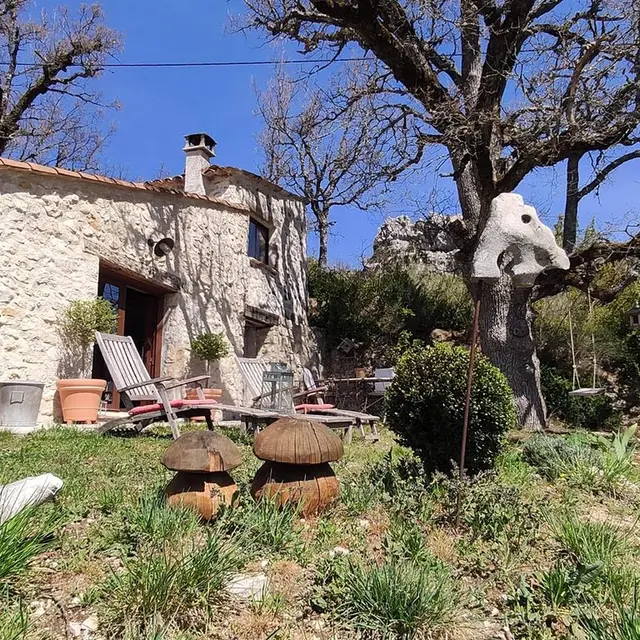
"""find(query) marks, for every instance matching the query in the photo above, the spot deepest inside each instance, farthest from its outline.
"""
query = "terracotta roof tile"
(38, 168)
(16, 164)
(66, 172)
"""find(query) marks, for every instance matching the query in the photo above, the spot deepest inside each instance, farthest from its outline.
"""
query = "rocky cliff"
(428, 242)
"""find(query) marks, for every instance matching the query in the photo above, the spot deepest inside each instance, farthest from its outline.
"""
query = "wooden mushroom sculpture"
(202, 460)
(297, 453)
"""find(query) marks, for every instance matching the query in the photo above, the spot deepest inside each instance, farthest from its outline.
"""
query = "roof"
(216, 171)
(156, 186)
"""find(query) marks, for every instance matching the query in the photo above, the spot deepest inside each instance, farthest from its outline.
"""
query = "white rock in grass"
(339, 551)
(74, 629)
(264, 564)
(19, 495)
(364, 523)
(248, 587)
(38, 609)
(90, 625)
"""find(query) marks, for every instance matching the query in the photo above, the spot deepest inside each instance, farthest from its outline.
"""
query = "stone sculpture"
(515, 228)
(19, 495)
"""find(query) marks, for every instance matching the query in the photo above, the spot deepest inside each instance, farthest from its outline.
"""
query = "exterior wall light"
(162, 247)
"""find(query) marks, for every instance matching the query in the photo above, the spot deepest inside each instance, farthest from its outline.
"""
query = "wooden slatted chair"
(132, 380)
(252, 370)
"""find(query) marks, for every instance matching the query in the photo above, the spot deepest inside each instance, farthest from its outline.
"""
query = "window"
(258, 241)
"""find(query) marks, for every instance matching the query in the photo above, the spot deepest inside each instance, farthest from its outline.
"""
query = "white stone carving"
(19, 495)
(515, 228)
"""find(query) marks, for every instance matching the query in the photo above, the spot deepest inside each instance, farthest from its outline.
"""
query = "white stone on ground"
(19, 495)
(248, 587)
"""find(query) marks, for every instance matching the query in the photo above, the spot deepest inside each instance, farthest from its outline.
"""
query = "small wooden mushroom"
(202, 460)
(297, 453)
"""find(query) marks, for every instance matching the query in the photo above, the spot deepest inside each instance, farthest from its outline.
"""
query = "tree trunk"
(570, 230)
(322, 219)
(506, 319)
(506, 337)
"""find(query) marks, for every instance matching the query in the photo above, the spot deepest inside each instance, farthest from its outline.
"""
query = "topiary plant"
(210, 347)
(81, 319)
(425, 407)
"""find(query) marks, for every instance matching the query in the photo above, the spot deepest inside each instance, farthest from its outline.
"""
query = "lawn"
(548, 547)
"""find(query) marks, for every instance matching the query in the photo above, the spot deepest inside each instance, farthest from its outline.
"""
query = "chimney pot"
(199, 149)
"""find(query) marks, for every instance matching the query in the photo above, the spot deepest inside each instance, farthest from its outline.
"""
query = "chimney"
(199, 150)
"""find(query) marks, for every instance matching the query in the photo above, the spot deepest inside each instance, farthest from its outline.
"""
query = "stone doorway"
(140, 308)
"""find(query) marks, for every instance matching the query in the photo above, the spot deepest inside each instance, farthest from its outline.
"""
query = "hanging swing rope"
(575, 382)
(578, 390)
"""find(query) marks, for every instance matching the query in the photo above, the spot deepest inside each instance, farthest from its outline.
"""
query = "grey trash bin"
(20, 403)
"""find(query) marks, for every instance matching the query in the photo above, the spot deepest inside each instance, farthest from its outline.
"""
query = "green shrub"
(374, 306)
(595, 412)
(580, 465)
(396, 599)
(210, 347)
(79, 322)
(492, 510)
(425, 406)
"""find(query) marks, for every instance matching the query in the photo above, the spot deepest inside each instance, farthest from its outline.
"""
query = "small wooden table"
(357, 381)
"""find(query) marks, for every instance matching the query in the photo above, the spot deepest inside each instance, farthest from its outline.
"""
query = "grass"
(14, 619)
(178, 583)
(396, 599)
(23, 537)
(548, 540)
(589, 542)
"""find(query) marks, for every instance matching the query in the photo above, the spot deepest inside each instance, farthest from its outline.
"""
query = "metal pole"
(467, 401)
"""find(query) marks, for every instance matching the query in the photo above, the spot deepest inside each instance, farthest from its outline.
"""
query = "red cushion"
(175, 404)
(310, 408)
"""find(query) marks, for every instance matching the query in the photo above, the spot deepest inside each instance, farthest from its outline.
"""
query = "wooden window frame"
(257, 230)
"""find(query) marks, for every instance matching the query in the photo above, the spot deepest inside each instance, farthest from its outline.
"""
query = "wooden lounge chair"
(132, 380)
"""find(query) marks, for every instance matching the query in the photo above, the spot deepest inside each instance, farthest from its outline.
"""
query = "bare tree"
(506, 87)
(331, 156)
(602, 168)
(47, 114)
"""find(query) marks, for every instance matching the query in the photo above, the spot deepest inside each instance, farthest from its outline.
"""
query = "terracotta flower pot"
(209, 394)
(80, 399)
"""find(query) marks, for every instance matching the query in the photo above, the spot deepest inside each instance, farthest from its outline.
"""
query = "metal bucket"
(20, 403)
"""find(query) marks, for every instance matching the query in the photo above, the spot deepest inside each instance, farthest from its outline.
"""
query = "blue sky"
(159, 106)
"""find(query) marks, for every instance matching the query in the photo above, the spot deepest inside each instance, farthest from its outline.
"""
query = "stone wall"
(57, 230)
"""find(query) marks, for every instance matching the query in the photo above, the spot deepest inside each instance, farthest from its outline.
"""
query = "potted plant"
(209, 347)
(80, 397)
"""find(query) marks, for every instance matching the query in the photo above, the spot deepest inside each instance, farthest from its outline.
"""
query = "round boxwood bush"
(425, 407)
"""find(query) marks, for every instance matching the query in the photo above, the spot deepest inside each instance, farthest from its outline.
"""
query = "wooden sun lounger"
(132, 380)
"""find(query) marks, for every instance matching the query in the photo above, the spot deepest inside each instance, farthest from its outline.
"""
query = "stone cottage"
(215, 249)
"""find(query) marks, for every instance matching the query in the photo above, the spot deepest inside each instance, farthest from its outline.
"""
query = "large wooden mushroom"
(297, 453)
(202, 460)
